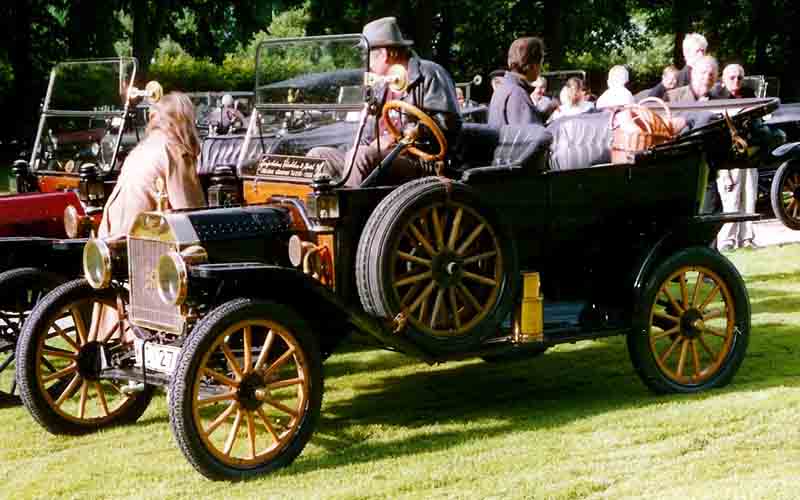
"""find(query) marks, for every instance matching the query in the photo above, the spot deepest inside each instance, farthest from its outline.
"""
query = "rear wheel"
(62, 353)
(247, 392)
(431, 253)
(785, 194)
(20, 290)
(692, 329)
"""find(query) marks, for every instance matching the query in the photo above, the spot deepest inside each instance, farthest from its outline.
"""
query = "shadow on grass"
(754, 278)
(775, 301)
(540, 393)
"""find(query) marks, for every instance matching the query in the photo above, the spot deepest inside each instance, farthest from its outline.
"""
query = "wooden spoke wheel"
(440, 261)
(20, 290)
(694, 325)
(63, 350)
(248, 390)
(785, 194)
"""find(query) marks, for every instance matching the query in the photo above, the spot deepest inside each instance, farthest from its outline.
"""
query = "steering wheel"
(423, 119)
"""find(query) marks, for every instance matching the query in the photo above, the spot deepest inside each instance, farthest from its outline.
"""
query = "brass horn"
(153, 90)
(396, 78)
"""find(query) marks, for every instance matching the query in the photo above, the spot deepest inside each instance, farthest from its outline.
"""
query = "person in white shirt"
(617, 94)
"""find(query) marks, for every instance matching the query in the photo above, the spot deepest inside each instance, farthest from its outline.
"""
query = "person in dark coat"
(704, 77)
(511, 102)
(694, 47)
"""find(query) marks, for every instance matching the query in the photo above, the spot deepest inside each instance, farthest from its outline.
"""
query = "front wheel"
(63, 351)
(785, 195)
(692, 327)
(247, 391)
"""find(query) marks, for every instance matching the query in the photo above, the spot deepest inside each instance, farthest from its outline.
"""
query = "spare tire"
(432, 251)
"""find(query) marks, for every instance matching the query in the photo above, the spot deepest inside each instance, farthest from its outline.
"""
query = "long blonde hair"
(174, 116)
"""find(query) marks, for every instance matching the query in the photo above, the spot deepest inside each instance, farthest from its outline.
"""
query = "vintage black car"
(516, 240)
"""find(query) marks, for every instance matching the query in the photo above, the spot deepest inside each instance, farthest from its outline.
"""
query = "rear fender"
(700, 231)
(330, 316)
(785, 152)
(40, 214)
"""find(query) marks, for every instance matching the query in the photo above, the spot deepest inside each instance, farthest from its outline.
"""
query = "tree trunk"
(553, 33)
(149, 18)
(681, 20)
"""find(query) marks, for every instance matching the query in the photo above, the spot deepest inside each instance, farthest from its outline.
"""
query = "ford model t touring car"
(525, 238)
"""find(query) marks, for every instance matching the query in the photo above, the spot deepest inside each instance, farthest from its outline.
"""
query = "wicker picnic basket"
(635, 128)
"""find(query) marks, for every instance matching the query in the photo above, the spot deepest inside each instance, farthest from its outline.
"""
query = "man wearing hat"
(430, 88)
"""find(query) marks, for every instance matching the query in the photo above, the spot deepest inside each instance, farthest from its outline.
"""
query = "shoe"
(727, 247)
(750, 244)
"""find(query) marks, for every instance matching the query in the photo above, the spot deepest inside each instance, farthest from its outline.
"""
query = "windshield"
(309, 82)
(85, 116)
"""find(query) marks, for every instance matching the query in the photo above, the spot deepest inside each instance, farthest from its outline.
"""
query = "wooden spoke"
(705, 347)
(269, 427)
(282, 407)
(696, 357)
(111, 332)
(671, 299)
(95, 322)
(454, 307)
(251, 433)
(227, 396)
(697, 284)
(684, 291)
(437, 229)
(248, 346)
(667, 333)
(451, 241)
(682, 359)
(715, 313)
(59, 353)
(422, 297)
(84, 397)
(412, 292)
(666, 316)
(80, 326)
(69, 391)
(480, 256)
(794, 211)
(234, 365)
(101, 399)
(413, 258)
(480, 279)
(237, 422)
(470, 298)
(262, 356)
(61, 333)
(222, 379)
(214, 425)
(71, 368)
(671, 348)
(422, 239)
(279, 362)
(423, 308)
(414, 279)
(711, 295)
(285, 383)
(791, 205)
(714, 332)
(471, 238)
(437, 305)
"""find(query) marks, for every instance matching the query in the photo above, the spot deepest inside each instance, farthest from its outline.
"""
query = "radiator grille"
(146, 308)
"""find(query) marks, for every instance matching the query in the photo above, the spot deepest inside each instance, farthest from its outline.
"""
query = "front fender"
(61, 256)
(785, 152)
(332, 317)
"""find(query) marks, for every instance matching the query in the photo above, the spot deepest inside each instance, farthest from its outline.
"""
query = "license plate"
(162, 358)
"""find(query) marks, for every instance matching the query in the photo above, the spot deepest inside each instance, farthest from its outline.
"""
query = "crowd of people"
(519, 99)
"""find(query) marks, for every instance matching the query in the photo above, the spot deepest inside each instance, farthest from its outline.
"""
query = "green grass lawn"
(574, 423)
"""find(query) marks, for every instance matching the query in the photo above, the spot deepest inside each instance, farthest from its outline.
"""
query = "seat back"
(224, 150)
(476, 144)
(522, 145)
(580, 141)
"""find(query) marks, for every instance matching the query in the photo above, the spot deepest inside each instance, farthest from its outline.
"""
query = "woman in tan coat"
(169, 151)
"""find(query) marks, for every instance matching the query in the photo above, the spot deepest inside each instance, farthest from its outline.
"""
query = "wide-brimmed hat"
(385, 32)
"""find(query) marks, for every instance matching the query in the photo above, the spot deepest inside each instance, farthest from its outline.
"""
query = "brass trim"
(104, 252)
(181, 271)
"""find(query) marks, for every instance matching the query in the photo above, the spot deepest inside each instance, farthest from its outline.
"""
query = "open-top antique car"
(526, 237)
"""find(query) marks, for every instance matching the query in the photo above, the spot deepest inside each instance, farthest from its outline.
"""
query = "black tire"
(246, 390)
(704, 328)
(785, 194)
(391, 255)
(75, 356)
(20, 290)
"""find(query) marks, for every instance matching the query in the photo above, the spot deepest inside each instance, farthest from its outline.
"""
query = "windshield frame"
(48, 113)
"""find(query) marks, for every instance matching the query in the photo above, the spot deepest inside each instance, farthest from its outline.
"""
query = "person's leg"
(727, 235)
(749, 181)
(334, 158)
